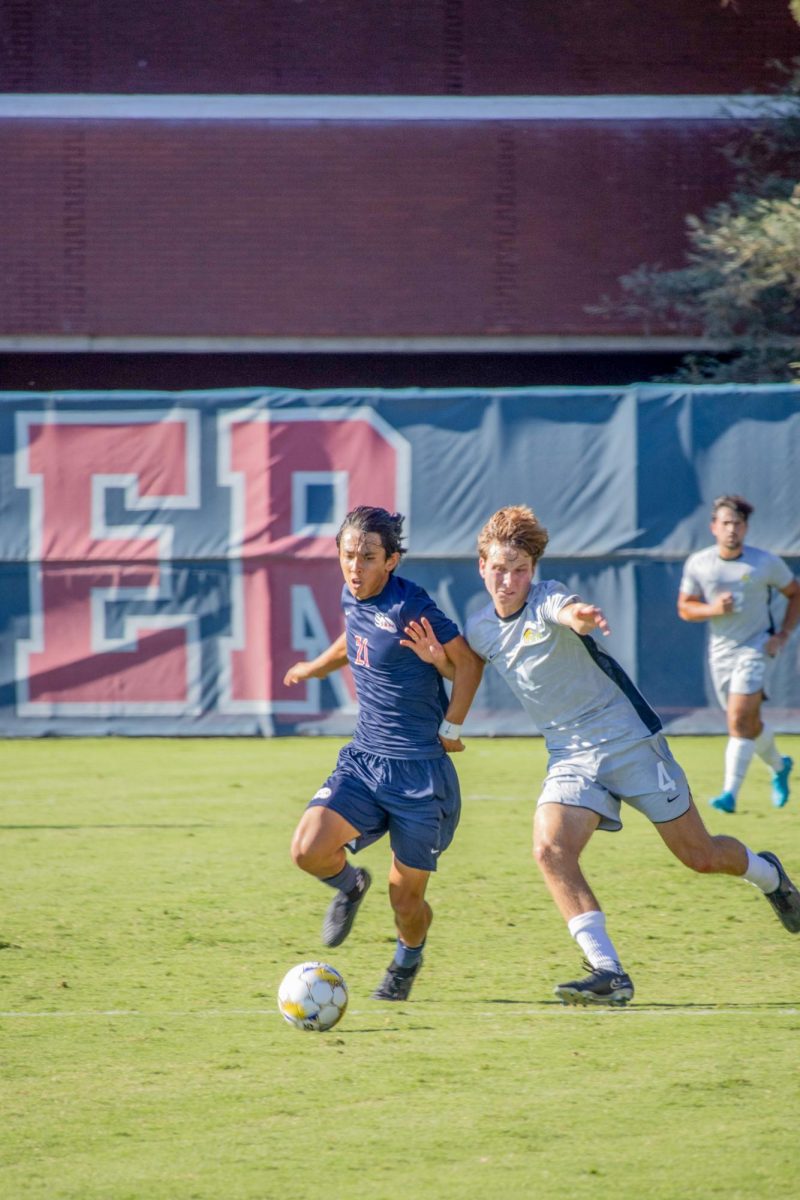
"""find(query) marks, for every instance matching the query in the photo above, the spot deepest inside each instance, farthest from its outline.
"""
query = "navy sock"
(346, 881)
(407, 956)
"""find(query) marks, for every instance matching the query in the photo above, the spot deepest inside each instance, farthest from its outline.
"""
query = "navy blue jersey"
(401, 700)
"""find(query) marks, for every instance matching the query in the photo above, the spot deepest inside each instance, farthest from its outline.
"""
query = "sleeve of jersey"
(421, 605)
(556, 597)
(781, 575)
(690, 586)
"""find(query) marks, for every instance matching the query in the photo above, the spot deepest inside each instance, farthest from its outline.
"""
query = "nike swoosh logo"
(671, 798)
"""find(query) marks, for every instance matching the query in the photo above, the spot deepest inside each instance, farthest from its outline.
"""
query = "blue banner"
(165, 557)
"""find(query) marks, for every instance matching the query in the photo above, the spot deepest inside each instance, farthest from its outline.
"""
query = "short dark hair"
(388, 526)
(737, 503)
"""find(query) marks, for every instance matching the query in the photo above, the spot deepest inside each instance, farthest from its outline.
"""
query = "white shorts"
(643, 773)
(741, 673)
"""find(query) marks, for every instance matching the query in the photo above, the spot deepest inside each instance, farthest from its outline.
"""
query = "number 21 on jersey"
(362, 651)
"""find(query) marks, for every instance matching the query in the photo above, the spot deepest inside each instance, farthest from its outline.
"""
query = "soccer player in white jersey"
(604, 741)
(729, 585)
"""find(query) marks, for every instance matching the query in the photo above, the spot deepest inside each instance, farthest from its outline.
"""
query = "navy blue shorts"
(416, 800)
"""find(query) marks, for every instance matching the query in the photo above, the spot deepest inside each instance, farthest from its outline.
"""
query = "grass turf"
(149, 911)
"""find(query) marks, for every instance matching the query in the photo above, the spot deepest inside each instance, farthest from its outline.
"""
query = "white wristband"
(449, 730)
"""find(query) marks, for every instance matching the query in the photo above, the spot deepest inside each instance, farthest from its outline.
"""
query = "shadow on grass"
(699, 1006)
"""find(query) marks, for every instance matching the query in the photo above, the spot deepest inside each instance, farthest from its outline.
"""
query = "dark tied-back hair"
(388, 526)
(737, 503)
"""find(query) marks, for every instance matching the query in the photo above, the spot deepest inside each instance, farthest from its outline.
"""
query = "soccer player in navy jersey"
(604, 742)
(395, 775)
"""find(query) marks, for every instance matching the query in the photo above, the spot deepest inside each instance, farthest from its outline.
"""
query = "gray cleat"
(786, 898)
(342, 911)
(396, 983)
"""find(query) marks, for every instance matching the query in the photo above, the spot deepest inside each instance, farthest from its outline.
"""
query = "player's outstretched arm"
(583, 618)
(323, 665)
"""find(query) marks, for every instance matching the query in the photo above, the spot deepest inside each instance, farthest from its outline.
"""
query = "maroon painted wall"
(339, 229)
(470, 47)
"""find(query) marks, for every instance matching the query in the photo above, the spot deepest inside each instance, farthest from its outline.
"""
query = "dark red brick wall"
(348, 229)
(470, 47)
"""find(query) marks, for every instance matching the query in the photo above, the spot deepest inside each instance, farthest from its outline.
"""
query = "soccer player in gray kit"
(604, 741)
(730, 585)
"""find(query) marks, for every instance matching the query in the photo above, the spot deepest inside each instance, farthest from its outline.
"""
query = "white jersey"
(749, 578)
(577, 695)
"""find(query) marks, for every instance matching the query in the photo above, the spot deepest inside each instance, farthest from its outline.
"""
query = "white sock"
(589, 931)
(738, 754)
(767, 750)
(761, 872)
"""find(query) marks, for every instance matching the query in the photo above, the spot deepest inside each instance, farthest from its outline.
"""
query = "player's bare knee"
(304, 853)
(550, 855)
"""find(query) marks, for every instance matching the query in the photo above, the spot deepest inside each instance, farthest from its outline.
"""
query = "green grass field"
(150, 909)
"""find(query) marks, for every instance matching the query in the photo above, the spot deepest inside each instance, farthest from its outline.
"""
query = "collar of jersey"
(512, 616)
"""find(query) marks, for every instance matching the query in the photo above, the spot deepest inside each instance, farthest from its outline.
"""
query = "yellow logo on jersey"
(533, 634)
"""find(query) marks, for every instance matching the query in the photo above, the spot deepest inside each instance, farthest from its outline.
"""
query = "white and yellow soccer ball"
(313, 995)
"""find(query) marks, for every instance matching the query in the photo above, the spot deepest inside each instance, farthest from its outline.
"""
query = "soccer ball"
(313, 995)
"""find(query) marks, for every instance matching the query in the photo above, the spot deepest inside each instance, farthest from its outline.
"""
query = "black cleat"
(342, 911)
(786, 898)
(599, 987)
(396, 983)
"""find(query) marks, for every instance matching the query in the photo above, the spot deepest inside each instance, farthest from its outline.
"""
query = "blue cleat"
(725, 802)
(780, 783)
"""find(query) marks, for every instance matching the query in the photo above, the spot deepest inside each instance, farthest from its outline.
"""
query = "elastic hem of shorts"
(669, 820)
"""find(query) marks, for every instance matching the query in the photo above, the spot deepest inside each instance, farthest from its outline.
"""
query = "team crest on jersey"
(532, 634)
(384, 622)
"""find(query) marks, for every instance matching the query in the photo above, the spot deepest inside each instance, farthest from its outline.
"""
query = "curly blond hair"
(516, 525)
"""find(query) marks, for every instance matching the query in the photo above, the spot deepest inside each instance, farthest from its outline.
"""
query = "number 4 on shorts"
(665, 781)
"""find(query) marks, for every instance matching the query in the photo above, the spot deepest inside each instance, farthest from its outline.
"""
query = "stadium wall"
(165, 556)
(380, 47)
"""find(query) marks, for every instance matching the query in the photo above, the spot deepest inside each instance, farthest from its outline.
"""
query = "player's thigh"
(321, 831)
(572, 786)
(691, 843)
(562, 828)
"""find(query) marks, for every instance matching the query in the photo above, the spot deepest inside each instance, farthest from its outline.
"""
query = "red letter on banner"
(286, 578)
(74, 662)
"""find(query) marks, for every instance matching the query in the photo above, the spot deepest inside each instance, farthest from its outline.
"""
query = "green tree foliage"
(740, 287)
